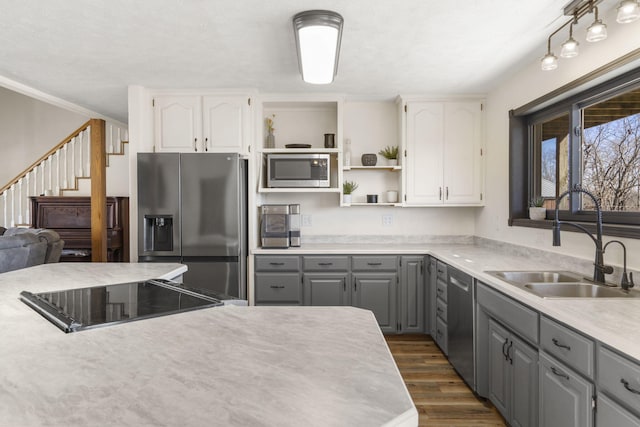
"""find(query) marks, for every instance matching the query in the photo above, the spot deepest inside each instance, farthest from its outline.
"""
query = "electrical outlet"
(306, 220)
(387, 220)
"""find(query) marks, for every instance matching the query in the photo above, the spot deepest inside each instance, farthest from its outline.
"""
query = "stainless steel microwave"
(298, 170)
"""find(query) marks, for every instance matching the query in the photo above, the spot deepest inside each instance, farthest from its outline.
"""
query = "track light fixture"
(628, 11)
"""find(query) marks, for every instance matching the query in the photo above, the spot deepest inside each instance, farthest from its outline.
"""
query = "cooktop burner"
(77, 309)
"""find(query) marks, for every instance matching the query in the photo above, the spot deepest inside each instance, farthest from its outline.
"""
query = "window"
(591, 139)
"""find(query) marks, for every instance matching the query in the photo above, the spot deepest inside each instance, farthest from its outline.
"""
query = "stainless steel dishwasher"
(460, 324)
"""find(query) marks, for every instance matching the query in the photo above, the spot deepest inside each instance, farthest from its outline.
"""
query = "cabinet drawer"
(619, 377)
(325, 263)
(441, 337)
(441, 271)
(277, 263)
(441, 290)
(278, 288)
(519, 318)
(374, 263)
(441, 309)
(568, 346)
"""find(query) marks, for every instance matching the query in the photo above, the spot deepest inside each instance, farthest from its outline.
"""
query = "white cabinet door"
(225, 123)
(462, 160)
(443, 153)
(178, 124)
(425, 142)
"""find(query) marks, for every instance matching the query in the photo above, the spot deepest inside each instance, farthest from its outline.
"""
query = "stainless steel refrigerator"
(192, 209)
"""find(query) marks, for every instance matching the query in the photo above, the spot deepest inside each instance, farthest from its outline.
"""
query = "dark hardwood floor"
(440, 395)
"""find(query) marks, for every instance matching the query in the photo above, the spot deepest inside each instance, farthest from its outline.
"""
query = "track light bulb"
(549, 62)
(569, 48)
(596, 31)
(628, 11)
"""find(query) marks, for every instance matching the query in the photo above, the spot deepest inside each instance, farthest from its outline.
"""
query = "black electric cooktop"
(78, 309)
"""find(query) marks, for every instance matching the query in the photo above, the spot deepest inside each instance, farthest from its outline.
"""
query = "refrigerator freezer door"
(158, 204)
(210, 189)
(219, 276)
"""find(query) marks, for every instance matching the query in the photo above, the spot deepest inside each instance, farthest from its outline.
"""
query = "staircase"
(59, 171)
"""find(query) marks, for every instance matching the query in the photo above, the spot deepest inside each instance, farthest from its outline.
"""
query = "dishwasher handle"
(459, 284)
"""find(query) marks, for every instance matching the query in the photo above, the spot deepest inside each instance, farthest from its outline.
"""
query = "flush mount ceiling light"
(628, 11)
(318, 34)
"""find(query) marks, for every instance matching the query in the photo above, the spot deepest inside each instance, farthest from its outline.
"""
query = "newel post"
(98, 192)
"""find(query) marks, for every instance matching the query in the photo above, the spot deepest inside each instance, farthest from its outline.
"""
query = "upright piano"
(70, 217)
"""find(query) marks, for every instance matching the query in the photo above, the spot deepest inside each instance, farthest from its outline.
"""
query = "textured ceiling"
(88, 51)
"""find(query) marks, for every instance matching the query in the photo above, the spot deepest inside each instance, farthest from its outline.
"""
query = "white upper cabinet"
(177, 123)
(443, 142)
(193, 123)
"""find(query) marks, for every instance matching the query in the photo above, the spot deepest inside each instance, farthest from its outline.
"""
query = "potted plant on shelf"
(537, 211)
(348, 187)
(391, 154)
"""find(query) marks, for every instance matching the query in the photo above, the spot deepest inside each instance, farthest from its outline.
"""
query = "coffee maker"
(280, 226)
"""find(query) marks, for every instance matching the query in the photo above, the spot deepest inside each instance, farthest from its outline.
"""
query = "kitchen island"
(227, 366)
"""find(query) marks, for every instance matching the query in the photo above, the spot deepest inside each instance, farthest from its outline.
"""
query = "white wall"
(28, 129)
(518, 89)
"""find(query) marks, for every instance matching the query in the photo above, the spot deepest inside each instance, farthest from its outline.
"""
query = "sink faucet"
(599, 269)
(625, 282)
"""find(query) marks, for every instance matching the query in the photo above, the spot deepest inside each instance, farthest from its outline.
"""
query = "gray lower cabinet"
(566, 399)
(377, 292)
(513, 376)
(412, 289)
(430, 300)
(278, 280)
(326, 289)
(610, 413)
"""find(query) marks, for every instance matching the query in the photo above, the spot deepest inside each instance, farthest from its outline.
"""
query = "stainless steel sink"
(560, 284)
(576, 290)
(538, 276)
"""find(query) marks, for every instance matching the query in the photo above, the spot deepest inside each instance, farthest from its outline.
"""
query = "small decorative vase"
(392, 196)
(392, 162)
(537, 213)
(346, 199)
(369, 159)
(271, 141)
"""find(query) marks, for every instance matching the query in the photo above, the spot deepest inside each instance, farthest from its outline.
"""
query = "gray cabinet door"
(431, 292)
(499, 374)
(565, 397)
(326, 289)
(412, 294)
(377, 292)
(610, 413)
(524, 383)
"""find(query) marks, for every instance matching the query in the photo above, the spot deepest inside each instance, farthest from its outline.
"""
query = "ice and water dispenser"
(158, 233)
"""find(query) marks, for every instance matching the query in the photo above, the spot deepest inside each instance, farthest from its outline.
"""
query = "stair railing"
(57, 172)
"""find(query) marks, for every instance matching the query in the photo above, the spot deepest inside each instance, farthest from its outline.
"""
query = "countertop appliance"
(298, 170)
(192, 209)
(460, 315)
(86, 308)
(274, 226)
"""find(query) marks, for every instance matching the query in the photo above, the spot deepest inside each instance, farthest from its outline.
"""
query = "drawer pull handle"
(277, 286)
(325, 263)
(626, 385)
(560, 374)
(374, 263)
(558, 344)
(439, 290)
(439, 310)
(276, 263)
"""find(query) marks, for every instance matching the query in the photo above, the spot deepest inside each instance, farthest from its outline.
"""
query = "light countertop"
(258, 366)
(613, 321)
